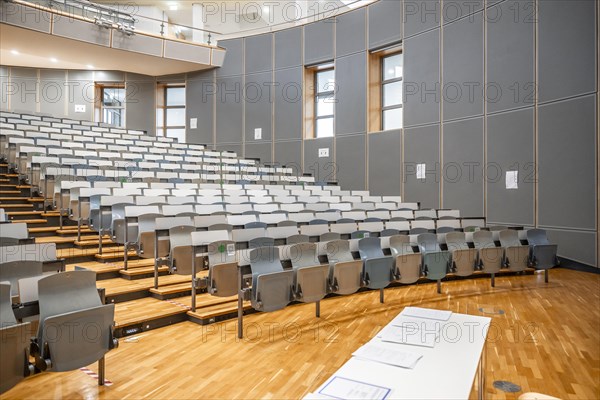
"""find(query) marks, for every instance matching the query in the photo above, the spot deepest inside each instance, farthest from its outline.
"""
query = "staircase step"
(112, 253)
(88, 241)
(211, 314)
(140, 273)
(44, 229)
(7, 206)
(145, 314)
(21, 213)
(10, 192)
(63, 239)
(30, 221)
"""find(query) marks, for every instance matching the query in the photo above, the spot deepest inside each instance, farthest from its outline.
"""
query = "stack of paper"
(427, 313)
(415, 337)
(343, 388)
(385, 355)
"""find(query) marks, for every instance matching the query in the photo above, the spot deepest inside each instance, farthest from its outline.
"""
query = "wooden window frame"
(375, 107)
(99, 103)
(163, 107)
(311, 97)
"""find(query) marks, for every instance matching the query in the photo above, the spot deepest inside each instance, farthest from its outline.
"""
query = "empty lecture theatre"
(299, 199)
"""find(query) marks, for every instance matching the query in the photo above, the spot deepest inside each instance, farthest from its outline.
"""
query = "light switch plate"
(79, 108)
(258, 134)
(323, 153)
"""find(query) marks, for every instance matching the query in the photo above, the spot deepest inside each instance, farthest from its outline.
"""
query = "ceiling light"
(90, 66)
(173, 8)
(53, 59)
(266, 9)
(15, 52)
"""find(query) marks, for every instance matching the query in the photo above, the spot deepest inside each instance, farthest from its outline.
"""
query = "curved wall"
(470, 108)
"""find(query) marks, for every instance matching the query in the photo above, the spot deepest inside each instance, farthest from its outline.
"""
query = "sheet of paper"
(316, 396)
(342, 388)
(413, 323)
(384, 355)
(512, 179)
(421, 171)
(429, 313)
(413, 337)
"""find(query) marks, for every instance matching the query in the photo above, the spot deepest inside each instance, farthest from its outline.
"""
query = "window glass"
(324, 127)
(392, 94)
(392, 119)
(392, 67)
(175, 96)
(175, 117)
(325, 81)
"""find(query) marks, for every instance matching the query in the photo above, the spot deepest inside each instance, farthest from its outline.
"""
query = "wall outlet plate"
(323, 153)
(79, 108)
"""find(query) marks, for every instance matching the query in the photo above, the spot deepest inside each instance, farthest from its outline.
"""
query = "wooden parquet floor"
(544, 337)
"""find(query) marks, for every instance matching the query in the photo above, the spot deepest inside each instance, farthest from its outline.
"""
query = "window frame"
(327, 95)
(163, 108)
(101, 87)
(385, 82)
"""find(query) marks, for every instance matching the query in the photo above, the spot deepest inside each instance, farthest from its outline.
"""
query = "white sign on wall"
(421, 171)
(512, 180)
(258, 134)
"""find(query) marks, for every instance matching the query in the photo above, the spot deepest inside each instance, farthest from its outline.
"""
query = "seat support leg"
(101, 365)
(381, 296)
(194, 283)
(546, 275)
(240, 309)
(318, 309)
(439, 287)
(493, 280)
(125, 258)
(100, 234)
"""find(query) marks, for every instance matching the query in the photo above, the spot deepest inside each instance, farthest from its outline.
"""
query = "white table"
(446, 371)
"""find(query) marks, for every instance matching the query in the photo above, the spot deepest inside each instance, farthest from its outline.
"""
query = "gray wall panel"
(350, 33)
(81, 30)
(422, 146)
(237, 148)
(510, 58)
(567, 163)
(259, 101)
(323, 169)
(385, 23)
(385, 163)
(259, 53)
(422, 79)
(141, 98)
(351, 94)
(230, 110)
(53, 96)
(200, 100)
(510, 141)
(318, 41)
(289, 154)
(453, 10)
(567, 49)
(24, 94)
(138, 43)
(420, 16)
(25, 17)
(234, 58)
(350, 161)
(259, 150)
(288, 104)
(288, 48)
(463, 172)
(578, 246)
(4, 92)
(463, 68)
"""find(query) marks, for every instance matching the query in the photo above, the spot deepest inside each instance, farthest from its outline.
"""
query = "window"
(324, 103)
(170, 116)
(319, 115)
(385, 90)
(391, 92)
(112, 104)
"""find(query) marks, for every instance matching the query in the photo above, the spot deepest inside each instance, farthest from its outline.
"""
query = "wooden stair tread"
(137, 311)
(21, 213)
(44, 229)
(142, 271)
(60, 239)
(50, 214)
(117, 286)
(110, 254)
(92, 241)
(205, 300)
(100, 267)
(10, 192)
(31, 200)
(24, 186)
(7, 185)
(75, 252)
(5, 206)
(36, 200)
(72, 231)
(218, 309)
(29, 221)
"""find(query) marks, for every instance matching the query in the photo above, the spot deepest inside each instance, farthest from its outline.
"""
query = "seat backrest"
(7, 316)
(264, 260)
(509, 238)
(296, 239)
(181, 236)
(339, 251)
(304, 255)
(13, 271)
(370, 247)
(456, 241)
(537, 237)
(418, 231)
(221, 252)
(204, 238)
(14, 231)
(483, 239)
(67, 292)
(400, 245)
(428, 243)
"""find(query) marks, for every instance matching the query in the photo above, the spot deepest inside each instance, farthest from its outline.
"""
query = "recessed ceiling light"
(173, 8)
(53, 59)
(266, 9)
(90, 66)
(15, 52)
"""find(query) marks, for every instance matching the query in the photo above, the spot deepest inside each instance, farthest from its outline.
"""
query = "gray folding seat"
(323, 240)
(464, 259)
(14, 234)
(69, 304)
(311, 279)
(442, 232)
(516, 256)
(147, 237)
(14, 346)
(435, 262)
(272, 287)
(543, 254)
(12, 271)
(345, 273)
(221, 227)
(378, 269)
(222, 269)
(408, 263)
(296, 239)
(180, 242)
(490, 257)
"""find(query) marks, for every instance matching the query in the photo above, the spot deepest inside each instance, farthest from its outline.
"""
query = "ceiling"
(36, 49)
